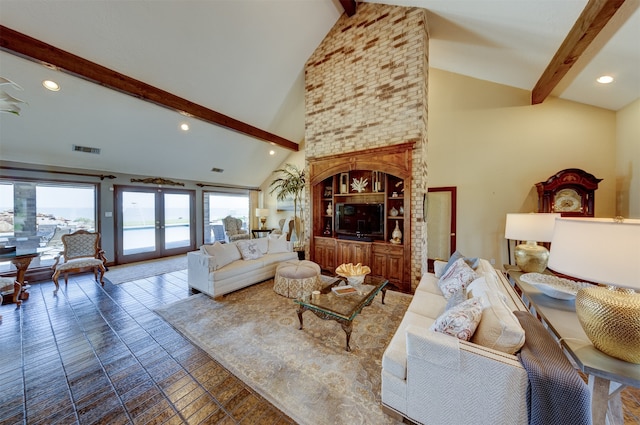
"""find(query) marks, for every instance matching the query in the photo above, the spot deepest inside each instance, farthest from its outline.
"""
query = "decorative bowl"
(553, 286)
(610, 317)
(354, 274)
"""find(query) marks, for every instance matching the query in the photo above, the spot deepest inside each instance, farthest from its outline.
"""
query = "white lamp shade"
(536, 227)
(262, 212)
(597, 250)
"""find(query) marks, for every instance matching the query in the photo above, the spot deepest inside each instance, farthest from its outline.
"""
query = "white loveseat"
(222, 268)
(434, 378)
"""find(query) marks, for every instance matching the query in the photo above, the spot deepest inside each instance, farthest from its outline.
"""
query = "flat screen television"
(360, 220)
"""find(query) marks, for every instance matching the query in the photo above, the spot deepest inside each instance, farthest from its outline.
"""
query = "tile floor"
(97, 355)
(102, 356)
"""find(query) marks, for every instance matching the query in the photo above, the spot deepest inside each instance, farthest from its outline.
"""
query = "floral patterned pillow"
(249, 250)
(460, 321)
(457, 278)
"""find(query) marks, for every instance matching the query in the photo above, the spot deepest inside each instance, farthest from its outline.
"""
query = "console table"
(607, 375)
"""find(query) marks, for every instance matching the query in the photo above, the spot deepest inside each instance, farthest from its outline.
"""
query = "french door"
(153, 223)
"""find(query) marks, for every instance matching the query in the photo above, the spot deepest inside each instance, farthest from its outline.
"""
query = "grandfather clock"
(569, 192)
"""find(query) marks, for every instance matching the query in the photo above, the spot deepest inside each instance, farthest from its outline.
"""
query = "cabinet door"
(353, 252)
(379, 263)
(388, 262)
(325, 253)
(395, 267)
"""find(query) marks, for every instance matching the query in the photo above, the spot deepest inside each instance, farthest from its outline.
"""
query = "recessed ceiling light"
(605, 79)
(51, 85)
(184, 126)
(272, 153)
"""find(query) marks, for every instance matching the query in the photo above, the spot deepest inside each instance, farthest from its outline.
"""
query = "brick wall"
(366, 87)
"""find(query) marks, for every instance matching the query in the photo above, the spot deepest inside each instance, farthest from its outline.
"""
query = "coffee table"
(343, 309)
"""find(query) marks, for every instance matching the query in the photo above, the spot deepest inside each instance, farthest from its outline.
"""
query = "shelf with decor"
(395, 226)
(354, 212)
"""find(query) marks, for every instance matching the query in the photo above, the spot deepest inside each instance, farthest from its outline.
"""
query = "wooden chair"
(81, 253)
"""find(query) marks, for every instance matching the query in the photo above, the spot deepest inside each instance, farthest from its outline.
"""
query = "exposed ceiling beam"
(591, 21)
(29, 48)
(349, 7)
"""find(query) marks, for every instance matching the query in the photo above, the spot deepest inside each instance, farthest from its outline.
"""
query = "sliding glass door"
(153, 223)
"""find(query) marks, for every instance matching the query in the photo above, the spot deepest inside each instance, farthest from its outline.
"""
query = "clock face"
(567, 200)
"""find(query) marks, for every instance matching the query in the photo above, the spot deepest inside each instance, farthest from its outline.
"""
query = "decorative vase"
(531, 257)
(401, 210)
(396, 235)
(330, 209)
(610, 317)
(393, 212)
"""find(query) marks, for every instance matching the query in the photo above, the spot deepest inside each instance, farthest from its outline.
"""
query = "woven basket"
(611, 319)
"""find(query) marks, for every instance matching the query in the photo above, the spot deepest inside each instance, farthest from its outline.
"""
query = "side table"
(257, 232)
(21, 261)
(607, 375)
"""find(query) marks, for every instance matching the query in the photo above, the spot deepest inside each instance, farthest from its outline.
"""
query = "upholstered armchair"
(233, 229)
(285, 227)
(81, 253)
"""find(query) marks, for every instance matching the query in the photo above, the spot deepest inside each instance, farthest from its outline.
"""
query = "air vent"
(217, 170)
(86, 149)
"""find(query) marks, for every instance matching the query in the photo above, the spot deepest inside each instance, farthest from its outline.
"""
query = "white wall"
(628, 161)
(269, 201)
(488, 141)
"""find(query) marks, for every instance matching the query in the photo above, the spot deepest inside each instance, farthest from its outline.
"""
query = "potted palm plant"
(290, 185)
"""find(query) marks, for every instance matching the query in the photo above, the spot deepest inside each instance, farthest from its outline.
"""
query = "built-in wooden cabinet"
(388, 261)
(324, 253)
(348, 251)
(357, 201)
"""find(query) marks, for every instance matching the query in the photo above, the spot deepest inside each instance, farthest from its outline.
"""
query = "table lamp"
(603, 251)
(531, 228)
(262, 214)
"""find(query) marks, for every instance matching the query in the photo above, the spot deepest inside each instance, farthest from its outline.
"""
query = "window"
(37, 214)
(218, 205)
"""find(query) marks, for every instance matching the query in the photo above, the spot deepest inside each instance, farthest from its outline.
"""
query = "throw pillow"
(263, 244)
(454, 257)
(473, 262)
(499, 328)
(277, 245)
(249, 250)
(438, 268)
(456, 298)
(222, 253)
(456, 278)
(460, 321)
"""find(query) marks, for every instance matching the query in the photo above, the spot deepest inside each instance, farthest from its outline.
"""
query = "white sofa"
(218, 269)
(434, 378)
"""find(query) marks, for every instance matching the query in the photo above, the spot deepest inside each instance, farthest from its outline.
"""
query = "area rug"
(143, 269)
(305, 373)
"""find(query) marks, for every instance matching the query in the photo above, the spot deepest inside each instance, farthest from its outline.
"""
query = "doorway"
(441, 224)
(153, 223)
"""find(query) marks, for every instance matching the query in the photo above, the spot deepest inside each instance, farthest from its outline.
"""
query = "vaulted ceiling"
(244, 59)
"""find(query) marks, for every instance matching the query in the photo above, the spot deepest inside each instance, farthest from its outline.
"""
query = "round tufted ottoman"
(294, 278)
